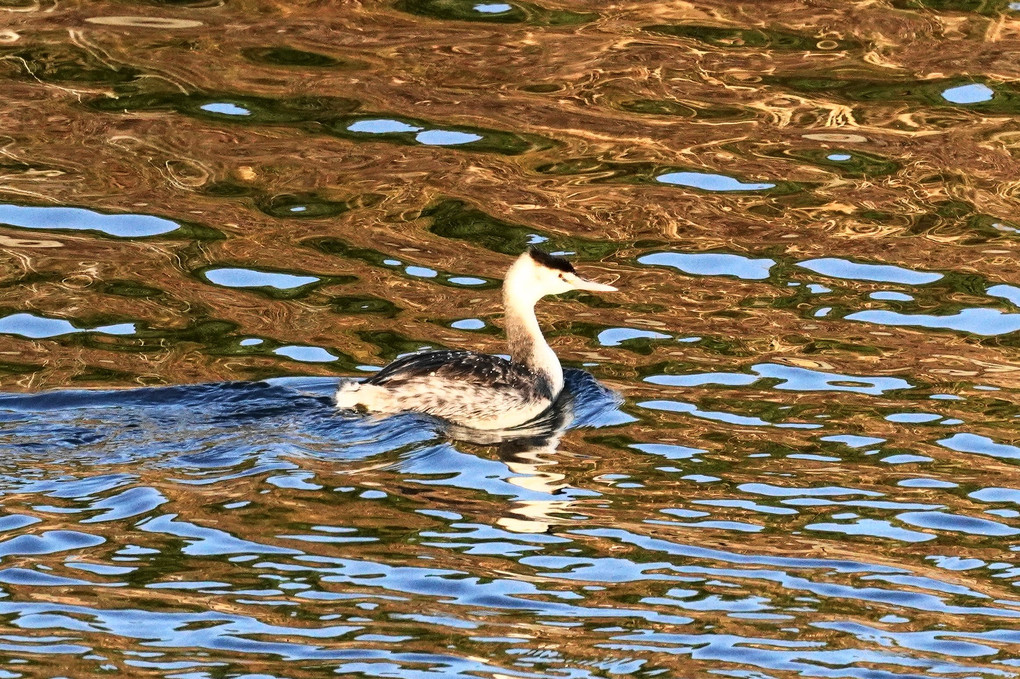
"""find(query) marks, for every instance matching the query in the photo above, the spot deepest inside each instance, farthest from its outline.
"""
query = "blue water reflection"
(226, 108)
(980, 321)
(306, 354)
(913, 418)
(712, 264)
(466, 280)
(252, 278)
(422, 136)
(707, 181)
(981, 445)
(420, 271)
(1010, 292)
(615, 336)
(721, 416)
(445, 137)
(791, 379)
(352, 520)
(968, 94)
(853, 440)
(1010, 495)
(885, 273)
(891, 296)
(382, 126)
(35, 327)
(872, 527)
(80, 219)
(954, 522)
(926, 483)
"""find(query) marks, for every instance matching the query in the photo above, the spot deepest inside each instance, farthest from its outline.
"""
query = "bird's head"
(536, 274)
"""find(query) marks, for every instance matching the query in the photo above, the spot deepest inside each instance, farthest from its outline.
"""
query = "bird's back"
(469, 388)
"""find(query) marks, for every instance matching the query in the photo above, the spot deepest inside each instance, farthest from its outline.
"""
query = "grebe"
(482, 391)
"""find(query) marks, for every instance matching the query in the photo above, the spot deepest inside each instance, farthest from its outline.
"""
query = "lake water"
(789, 444)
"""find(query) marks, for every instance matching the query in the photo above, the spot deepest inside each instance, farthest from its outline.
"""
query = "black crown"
(551, 261)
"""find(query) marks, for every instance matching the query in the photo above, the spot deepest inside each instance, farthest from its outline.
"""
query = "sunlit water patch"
(466, 280)
(854, 525)
(913, 418)
(157, 23)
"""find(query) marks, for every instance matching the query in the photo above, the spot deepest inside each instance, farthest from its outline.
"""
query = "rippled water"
(788, 446)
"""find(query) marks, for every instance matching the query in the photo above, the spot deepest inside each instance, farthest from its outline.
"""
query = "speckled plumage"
(475, 390)
(467, 367)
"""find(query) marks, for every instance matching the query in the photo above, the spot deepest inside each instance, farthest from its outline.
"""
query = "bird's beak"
(592, 286)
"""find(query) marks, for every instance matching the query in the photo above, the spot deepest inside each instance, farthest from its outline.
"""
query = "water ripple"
(788, 441)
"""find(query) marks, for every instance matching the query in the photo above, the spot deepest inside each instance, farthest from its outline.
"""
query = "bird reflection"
(530, 451)
(532, 460)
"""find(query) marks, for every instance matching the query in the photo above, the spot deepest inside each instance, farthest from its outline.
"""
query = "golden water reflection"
(810, 211)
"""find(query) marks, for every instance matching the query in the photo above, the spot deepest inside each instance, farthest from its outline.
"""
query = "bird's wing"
(482, 370)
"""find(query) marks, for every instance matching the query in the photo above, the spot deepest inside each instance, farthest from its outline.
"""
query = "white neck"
(527, 345)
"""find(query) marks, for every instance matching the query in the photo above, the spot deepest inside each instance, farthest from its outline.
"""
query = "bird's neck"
(527, 345)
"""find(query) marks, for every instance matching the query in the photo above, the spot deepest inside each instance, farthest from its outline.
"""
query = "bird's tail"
(352, 394)
(348, 396)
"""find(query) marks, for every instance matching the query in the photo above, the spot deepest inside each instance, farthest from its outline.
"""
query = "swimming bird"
(475, 390)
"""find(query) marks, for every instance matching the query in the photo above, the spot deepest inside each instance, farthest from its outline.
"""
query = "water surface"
(790, 442)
